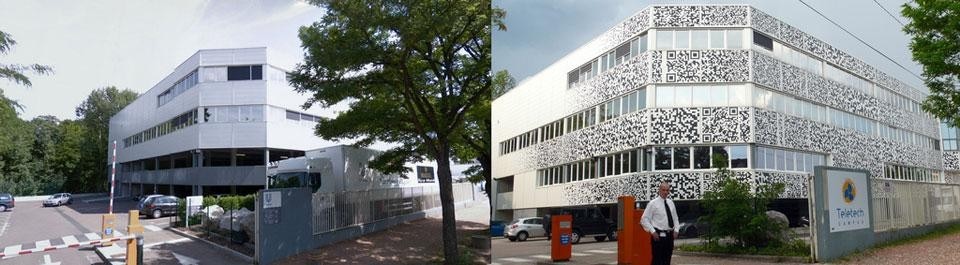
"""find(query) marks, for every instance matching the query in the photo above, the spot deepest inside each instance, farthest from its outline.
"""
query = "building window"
(662, 160)
(246, 72)
(762, 41)
(681, 157)
(738, 156)
(701, 157)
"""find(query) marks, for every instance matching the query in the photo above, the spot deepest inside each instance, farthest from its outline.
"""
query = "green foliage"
(414, 73)
(94, 114)
(935, 31)
(733, 211)
(182, 211)
(796, 248)
(231, 202)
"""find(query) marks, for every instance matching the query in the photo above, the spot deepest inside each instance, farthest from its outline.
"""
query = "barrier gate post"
(561, 229)
(633, 244)
(626, 245)
(134, 227)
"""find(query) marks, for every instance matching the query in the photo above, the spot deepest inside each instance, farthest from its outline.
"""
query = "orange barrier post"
(644, 253)
(626, 230)
(133, 227)
(560, 246)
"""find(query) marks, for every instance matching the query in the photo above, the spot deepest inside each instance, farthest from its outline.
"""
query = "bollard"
(107, 227)
(139, 249)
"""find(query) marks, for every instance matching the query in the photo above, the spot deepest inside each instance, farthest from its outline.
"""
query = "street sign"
(271, 199)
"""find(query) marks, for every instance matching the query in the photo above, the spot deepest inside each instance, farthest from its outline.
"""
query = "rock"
(782, 235)
(211, 216)
(234, 216)
(248, 222)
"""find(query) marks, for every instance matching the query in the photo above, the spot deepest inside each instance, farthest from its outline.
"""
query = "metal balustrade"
(333, 211)
(901, 204)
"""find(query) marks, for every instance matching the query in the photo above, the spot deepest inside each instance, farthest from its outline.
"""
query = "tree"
(94, 113)
(15, 72)
(935, 44)
(411, 71)
(502, 82)
(732, 210)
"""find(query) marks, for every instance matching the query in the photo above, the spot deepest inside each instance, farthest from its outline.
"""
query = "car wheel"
(157, 213)
(612, 234)
(522, 236)
(3, 208)
(59, 203)
(575, 237)
(600, 238)
(512, 238)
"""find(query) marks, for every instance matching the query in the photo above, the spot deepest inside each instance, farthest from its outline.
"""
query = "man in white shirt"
(660, 220)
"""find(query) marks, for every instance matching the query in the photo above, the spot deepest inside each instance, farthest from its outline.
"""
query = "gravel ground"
(942, 250)
(417, 242)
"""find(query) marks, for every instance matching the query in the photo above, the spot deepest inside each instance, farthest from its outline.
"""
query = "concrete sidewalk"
(417, 242)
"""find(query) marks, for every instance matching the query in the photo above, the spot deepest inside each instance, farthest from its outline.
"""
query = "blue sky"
(134, 44)
(539, 32)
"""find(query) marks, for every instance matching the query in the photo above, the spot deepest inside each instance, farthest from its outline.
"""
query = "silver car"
(523, 228)
(58, 199)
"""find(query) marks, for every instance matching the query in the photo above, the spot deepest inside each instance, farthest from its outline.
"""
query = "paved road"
(30, 222)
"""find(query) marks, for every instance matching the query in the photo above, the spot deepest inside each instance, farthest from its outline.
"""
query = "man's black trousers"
(663, 248)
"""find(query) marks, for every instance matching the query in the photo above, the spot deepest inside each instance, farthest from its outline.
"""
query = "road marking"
(167, 242)
(43, 244)
(11, 250)
(92, 236)
(152, 228)
(184, 260)
(117, 233)
(578, 254)
(48, 261)
(6, 223)
(519, 260)
(70, 240)
(541, 257)
(600, 251)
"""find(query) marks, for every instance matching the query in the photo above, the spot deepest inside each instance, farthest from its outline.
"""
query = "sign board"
(425, 174)
(194, 203)
(271, 199)
(271, 216)
(847, 200)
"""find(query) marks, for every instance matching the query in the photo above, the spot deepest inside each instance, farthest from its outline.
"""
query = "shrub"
(732, 210)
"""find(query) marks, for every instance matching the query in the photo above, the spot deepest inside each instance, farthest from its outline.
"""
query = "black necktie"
(669, 216)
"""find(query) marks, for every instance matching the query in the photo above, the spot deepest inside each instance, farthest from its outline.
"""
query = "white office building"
(212, 126)
(653, 98)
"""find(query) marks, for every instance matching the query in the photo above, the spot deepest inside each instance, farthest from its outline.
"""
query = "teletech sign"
(848, 200)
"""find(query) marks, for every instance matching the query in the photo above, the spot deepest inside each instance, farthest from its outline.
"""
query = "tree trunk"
(450, 248)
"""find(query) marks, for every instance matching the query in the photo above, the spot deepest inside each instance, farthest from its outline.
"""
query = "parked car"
(157, 206)
(523, 228)
(591, 221)
(496, 228)
(58, 199)
(692, 228)
(6, 201)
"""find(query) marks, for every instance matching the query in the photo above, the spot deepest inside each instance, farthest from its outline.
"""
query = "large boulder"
(234, 216)
(212, 215)
(782, 235)
(248, 221)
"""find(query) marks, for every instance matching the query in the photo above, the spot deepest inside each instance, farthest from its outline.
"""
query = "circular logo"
(849, 191)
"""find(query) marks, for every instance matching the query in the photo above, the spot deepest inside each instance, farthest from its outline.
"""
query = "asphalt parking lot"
(30, 224)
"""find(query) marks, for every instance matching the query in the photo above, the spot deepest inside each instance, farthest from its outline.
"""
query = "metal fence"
(902, 204)
(332, 211)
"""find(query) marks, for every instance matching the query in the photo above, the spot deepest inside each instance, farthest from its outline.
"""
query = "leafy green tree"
(734, 211)
(935, 31)
(502, 82)
(67, 158)
(94, 113)
(411, 71)
(17, 164)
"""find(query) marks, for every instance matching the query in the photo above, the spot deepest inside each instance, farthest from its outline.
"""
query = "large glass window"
(663, 158)
(701, 157)
(246, 72)
(664, 39)
(698, 40)
(738, 156)
(681, 157)
(716, 39)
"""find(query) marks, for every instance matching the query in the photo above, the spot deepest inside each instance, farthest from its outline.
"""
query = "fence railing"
(332, 211)
(902, 204)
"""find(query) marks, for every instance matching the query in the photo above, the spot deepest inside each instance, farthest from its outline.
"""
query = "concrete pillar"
(233, 157)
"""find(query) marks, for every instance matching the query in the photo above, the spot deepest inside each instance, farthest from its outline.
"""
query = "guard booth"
(633, 245)
(561, 247)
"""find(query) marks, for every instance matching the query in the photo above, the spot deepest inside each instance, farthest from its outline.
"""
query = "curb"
(764, 258)
(231, 251)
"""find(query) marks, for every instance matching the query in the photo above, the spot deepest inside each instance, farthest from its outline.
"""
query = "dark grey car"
(6, 201)
(158, 206)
